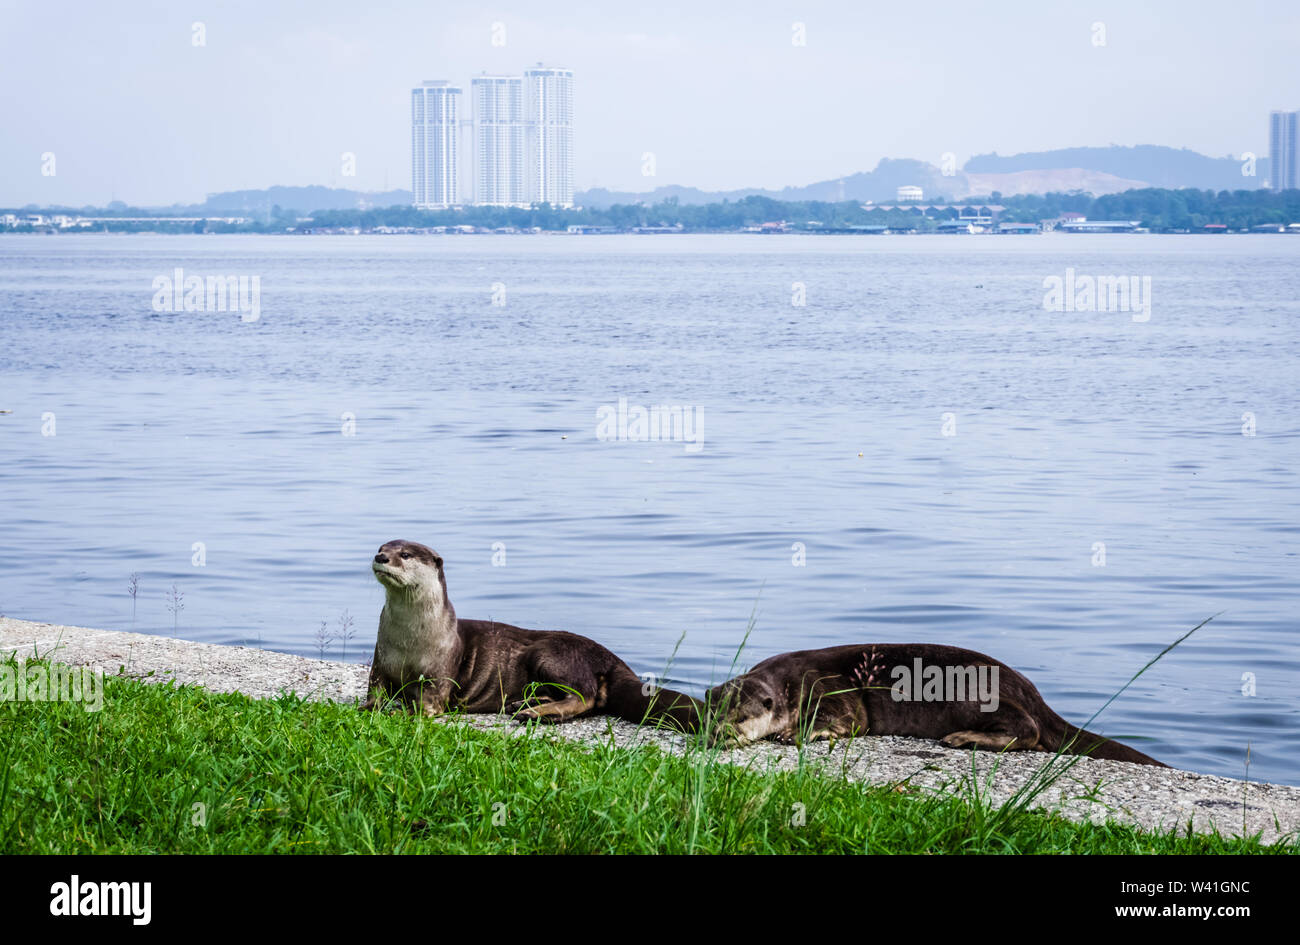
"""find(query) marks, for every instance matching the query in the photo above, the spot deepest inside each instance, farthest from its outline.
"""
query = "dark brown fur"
(485, 666)
(843, 691)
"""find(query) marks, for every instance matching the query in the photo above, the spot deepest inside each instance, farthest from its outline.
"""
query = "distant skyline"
(711, 96)
(508, 144)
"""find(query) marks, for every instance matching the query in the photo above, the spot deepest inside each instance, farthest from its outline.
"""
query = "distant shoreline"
(346, 231)
(1156, 210)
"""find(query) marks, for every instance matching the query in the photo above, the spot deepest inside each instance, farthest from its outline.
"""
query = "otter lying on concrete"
(432, 661)
(960, 697)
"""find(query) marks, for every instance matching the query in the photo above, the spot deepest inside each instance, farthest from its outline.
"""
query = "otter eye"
(406, 554)
(767, 703)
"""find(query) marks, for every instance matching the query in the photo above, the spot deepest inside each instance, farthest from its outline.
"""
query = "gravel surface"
(1151, 798)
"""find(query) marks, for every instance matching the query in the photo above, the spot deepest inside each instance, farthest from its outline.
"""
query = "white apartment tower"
(522, 141)
(500, 141)
(1283, 164)
(435, 145)
(548, 102)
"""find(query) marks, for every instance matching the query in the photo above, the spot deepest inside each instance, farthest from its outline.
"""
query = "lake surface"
(382, 393)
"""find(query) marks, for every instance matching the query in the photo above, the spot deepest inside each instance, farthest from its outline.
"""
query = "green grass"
(288, 776)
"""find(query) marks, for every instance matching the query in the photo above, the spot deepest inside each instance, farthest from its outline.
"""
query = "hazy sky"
(717, 91)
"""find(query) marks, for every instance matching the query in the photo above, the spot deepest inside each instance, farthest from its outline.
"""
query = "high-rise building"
(548, 102)
(435, 145)
(500, 141)
(1282, 161)
(522, 141)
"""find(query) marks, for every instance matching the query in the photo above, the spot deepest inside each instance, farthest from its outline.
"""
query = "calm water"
(475, 424)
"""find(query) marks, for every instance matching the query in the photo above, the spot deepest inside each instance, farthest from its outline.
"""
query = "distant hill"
(302, 199)
(879, 185)
(1063, 181)
(599, 198)
(1158, 166)
(1098, 171)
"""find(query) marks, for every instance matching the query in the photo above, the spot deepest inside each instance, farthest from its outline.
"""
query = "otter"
(962, 698)
(431, 661)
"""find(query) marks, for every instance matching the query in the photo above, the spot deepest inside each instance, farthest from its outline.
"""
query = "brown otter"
(431, 661)
(963, 698)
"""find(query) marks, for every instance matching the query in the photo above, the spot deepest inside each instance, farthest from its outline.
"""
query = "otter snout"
(742, 714)
(735, 730)
(723, 734)
(400, 563)
(386, 568)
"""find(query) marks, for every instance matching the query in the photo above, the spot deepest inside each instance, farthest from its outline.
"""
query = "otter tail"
(1078, 741)
(636, 701)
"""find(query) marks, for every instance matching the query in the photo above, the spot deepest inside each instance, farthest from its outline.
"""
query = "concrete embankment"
(1151, 798)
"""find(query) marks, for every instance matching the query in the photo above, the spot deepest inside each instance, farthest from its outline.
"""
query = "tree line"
(1156, 208)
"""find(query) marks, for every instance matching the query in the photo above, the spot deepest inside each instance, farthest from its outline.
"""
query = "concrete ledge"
(1150, 798)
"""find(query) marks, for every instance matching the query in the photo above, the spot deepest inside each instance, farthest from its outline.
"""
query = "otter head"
(747, 709)
(410, 569)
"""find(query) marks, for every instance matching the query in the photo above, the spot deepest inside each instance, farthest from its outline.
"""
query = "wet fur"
(430, 661)
(844, 691)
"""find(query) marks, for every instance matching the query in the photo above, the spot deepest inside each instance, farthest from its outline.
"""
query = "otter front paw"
(535, 714)
(521, 711)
